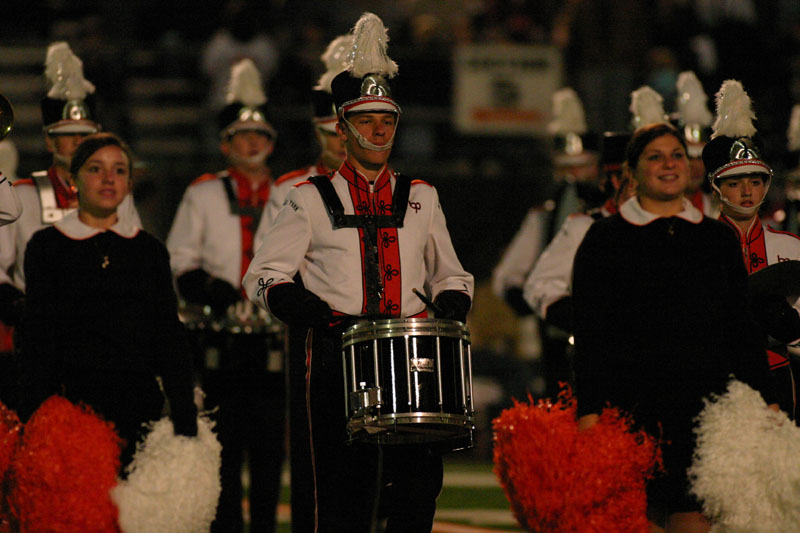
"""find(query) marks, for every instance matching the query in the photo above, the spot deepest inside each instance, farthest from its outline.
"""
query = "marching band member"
(119, 346)
(694, 119)
(211, 246)
(361, 239)
(657, 357)
(548, 287)
(330, 159)
(68, 115)
(740, 178)
(575, 176)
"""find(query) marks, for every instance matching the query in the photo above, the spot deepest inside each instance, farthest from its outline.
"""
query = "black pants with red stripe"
(351, 479)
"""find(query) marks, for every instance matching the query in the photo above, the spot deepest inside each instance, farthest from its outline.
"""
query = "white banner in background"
(505, 89)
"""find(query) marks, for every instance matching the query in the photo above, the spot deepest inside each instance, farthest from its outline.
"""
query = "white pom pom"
(746, 469)
(64, 70)
(335, 59)
(647, 107)
(568, 113)
(368, 55)
(735, 115)
(793, 133)
(692, 100)
(173, 482)
(245, 84)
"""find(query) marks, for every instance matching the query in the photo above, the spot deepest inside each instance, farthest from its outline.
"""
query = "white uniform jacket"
(280, 189)
(520, 255)
(551, 277)
(10, 206)
(763, 246)
(206, 233)
(39, 210)
(419, 255)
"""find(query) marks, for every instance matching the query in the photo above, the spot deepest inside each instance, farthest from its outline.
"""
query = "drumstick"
(427, 301)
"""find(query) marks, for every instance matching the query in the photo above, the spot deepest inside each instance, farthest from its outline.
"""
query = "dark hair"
(92, 143)
(644, 135)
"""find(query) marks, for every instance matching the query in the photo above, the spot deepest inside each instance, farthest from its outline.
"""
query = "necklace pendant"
(105, 262)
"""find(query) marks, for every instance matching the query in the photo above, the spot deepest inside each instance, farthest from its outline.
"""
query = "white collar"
(633, 212)
(74, 228)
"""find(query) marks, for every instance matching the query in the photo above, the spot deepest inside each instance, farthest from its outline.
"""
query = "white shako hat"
(693, 117)
(68, 108)
(365, 85)
(335, 59)
(246, 108)
(733, 149)
(569, 130)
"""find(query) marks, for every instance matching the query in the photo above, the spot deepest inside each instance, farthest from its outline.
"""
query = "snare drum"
(409, 381)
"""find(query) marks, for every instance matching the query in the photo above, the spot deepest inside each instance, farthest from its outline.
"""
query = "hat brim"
(72, 127)
(742, 167)
(249, 125)
(326, 124)
(370, 104)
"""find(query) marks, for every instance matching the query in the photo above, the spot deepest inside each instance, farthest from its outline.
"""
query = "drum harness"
(369, 224)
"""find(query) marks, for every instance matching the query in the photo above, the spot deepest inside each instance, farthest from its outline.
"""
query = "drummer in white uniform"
(211, 246)
(362, 240)
(10, 206)
(48, 195)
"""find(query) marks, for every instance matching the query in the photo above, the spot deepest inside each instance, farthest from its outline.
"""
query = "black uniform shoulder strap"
(233, 201)
(335, 208)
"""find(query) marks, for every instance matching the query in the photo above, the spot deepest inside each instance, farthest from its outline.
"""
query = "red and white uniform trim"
(331, 261)
(763, 246)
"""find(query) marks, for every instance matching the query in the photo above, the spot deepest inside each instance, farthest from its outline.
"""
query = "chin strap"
(368, 145)
(256, 159)
(739, 210)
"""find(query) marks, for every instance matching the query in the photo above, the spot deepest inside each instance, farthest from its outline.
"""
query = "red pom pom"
(560, 479)
(64, 468)
(10, 427)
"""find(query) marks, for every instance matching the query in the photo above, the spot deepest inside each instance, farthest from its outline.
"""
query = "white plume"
(568, 113)
(245, 84)
(691, 101)
(173, 483)
(793, 133)
(64, 70)
(368, 55)
(734, 112)
(647, 107)
(745, 469)
(335, 59)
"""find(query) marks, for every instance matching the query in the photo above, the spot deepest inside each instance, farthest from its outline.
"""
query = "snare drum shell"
(422, 368)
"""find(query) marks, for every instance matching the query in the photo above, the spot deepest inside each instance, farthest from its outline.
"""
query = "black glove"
(12, 303)
(559, 314)
(298, 307)
(198, 287)
(221, 295)
(454, 305)
(777, 317)
(515, 300)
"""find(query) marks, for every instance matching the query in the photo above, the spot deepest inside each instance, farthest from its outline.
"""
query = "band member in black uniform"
(361, 239)
(101, 324)
(211, 243)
